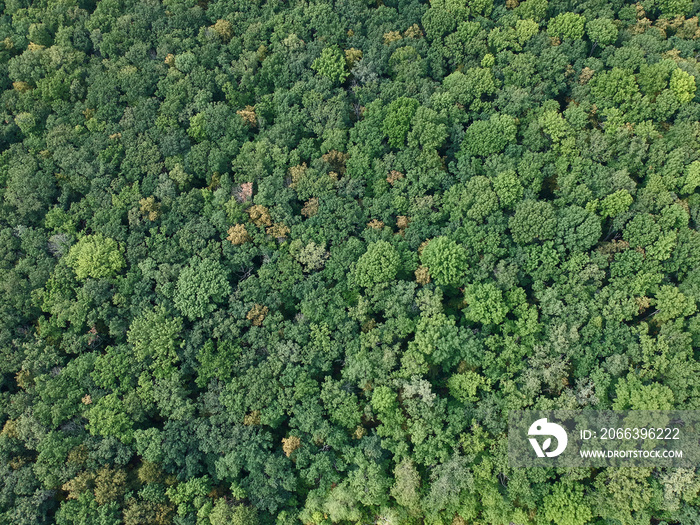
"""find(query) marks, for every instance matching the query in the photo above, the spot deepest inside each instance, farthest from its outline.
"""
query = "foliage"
(95, 256)
(331, 64)
(378, 264)
(296, 262)
(566, 26)
(446, 261)
(200, 286)
(398, 120)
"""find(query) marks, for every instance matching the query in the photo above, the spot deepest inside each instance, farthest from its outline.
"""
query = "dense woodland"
(294, 262)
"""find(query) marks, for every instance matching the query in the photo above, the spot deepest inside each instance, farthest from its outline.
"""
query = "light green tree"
(671, 303)
(683, 85)
(108, 418)
(567, 26)
(407, 482)
(632, 394)
(200, 286)
(566, 505)
(485, 137)
(95, 256)
(675, 7)
(378, 264)
(601, 31)
(331, 64)
(397, 122)
(616, 203)
(155, 336)
(485, 303)
(446, 261)
(533, 220)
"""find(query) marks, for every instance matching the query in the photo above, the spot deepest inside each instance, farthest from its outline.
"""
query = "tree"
(566, 505)
(485, 137)
(407, 484)
(508, 188)
(616, 203)
(200, 287)
(567, 26)
(533, 220)
(397, 121)
(95, 256)
(675, 7)
(485, 304)
(469, 88)
(379, 264)
(155, 336)
(601, 31)
(108, 418)
(683, 85)
(331, 64)
(446, 261)
(225, 514)
(632, 394)
(671, 303)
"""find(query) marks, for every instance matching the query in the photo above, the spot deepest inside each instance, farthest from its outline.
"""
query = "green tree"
(446, 261)
(109, 418)
(616, 203)
(397, 121)
(567, 26)
(331, 64)
(683, 85)
(200, 287)
(485, 304)
(379, 264)
(566, 505)
(601, 31)
(632, 394)
(675, 7)
(671, 303)
(155, 336)
(485, 137)
(95, 256)
(533, 220)
(407, 485)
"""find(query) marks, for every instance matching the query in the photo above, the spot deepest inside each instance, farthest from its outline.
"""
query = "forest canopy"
(294, 262)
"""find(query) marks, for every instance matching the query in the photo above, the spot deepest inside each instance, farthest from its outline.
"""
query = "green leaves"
(468, 89)
(616, 203)
(675, 7)
(486, 137)
(446, 260)
(533, 221)
(331, 64)
(671, 304)
(683, 85)
(485, 304)
(379, 264)
(567, 505)
(566, 26)
(601, 31)
(95, 256)
(464, 386)
(397, 121)
(200, 286)
(632, 394)
(155, 336)
(295, 262)
(614, 87)
(109, 418)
